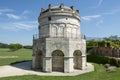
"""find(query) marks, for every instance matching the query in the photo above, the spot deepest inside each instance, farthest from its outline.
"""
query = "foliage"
(14, 47)
(104, 43)
(99, 74)
(97, 59)
(22, 55)
(115, 62)
(103, 60)
(91, 44)
(3, 45)
(27, 47)
(112, 38)
(101, 43)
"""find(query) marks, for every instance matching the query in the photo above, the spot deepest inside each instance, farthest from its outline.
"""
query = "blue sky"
(18, 18)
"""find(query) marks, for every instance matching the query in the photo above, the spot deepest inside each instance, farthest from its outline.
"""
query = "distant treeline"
(3, 45)
(14, 46)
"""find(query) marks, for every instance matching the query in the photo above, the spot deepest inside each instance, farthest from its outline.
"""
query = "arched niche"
(57, 61)
(77, 60)
(38, 59)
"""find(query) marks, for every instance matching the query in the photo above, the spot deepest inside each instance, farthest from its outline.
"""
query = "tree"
(15, 47)
(3, 45)
(27, 47)
(112, 38)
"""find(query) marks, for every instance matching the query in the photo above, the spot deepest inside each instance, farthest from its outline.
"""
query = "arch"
(57, 61)
(77, 60)
(38, 59)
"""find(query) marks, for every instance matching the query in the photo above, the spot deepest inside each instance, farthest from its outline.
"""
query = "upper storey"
(59, 11)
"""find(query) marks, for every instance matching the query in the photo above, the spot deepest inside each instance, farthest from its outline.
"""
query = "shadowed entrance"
(39, 59)
(58, 61)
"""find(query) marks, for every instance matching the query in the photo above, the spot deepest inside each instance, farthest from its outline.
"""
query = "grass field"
(25, 54)
(22, 55)
(99, 74)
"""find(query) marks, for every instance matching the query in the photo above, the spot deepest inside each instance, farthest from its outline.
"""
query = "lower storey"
(59, 63)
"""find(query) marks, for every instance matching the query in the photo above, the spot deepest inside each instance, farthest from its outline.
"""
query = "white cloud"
(100, 2)
(0, 13)
(111, 12)
(99, 23)
(13, 16)
(25, 12)
(88, 18)
(23, 26)
(17, 26)
(5, 10)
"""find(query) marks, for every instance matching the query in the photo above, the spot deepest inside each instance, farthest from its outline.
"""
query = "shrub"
(114, 61)
(27, 47)
(15, 47)
(89, 48)
(103, 60)
(97, 59)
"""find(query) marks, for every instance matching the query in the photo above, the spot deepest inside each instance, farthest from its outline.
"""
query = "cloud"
(17, 26)
(111, 12)
(100, 2)
(6, 10)
(13, 16)
(25, 12)
(0, 13)
(88, 18)
(99, 23)
(23, 26)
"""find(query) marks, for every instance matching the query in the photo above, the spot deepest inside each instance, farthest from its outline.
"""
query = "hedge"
(103, 60)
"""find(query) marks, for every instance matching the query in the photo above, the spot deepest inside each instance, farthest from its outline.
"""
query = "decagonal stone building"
(60, 45)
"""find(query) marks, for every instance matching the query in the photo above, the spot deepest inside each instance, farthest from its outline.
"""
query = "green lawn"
(99, 74)
(23, 54)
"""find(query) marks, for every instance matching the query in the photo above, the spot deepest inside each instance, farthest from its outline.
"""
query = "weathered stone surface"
(59, 46)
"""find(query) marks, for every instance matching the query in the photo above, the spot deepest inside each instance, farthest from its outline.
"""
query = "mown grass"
(99, 74)
(22, 55)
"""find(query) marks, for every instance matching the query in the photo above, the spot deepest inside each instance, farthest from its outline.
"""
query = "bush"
(98, 59)
(114, 61)
(3, 45)
(103, 60)
(27, 47)
(90, 47)
(15, 47)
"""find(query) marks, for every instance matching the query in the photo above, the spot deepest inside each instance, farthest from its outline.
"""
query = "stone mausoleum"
(59, 45)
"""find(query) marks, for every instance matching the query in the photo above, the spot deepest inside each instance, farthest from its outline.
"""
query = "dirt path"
(8, 56)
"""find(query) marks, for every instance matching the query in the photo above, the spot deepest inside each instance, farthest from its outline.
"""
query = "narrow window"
(49, 18)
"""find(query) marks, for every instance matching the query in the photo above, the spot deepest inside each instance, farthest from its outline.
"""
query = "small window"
(49, 18)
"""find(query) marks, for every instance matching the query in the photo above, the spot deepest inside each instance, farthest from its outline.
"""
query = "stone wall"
(106, 51)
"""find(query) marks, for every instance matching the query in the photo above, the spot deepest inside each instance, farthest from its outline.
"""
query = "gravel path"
(24, 68)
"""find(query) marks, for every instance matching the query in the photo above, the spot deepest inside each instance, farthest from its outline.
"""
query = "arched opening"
(77, 59)
(38, 59)
(57, 61)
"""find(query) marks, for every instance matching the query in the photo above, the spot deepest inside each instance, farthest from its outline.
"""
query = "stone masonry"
(59, 45)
